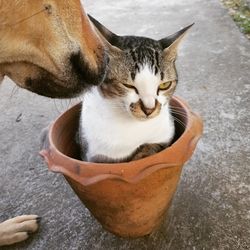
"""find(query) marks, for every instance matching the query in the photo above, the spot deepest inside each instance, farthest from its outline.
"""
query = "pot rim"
(95, 172)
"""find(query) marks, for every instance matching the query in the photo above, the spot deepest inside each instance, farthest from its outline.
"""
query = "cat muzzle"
(147, 111)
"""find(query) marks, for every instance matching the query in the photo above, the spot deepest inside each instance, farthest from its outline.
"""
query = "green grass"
(240, 11)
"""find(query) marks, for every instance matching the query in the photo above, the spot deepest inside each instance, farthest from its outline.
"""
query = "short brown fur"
(39, 42)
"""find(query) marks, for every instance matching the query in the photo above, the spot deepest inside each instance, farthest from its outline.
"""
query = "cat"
(128, 116)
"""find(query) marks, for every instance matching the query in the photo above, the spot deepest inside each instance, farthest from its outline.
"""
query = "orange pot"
(128, 199)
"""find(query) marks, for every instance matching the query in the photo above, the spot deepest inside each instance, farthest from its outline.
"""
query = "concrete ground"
(211, 209)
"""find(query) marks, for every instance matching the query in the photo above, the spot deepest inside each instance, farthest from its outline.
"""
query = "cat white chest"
(117, 135)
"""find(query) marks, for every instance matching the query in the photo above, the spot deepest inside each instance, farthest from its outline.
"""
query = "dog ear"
(171, 43)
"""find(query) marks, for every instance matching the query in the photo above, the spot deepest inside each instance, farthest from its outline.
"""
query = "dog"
(48, 47)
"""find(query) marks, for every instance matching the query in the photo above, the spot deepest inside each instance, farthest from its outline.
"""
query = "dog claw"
(30, 233)
(38, 219)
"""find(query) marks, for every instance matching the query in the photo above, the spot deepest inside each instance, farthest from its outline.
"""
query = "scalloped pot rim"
(87, 173)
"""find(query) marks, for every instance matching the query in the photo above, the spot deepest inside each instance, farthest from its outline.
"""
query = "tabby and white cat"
(128, 116)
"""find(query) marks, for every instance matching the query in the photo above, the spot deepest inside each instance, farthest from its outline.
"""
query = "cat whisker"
(78, 99)
(179, 113)
(117, 106)
(65, 104)
(180, 122)
(56, 107)
(179, 116)
(176, 108)
(14, 91)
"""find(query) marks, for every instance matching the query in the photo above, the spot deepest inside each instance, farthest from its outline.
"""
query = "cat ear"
(108, 37)
(170, 44)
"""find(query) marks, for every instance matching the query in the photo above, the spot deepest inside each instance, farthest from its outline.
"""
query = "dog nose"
(147, 111)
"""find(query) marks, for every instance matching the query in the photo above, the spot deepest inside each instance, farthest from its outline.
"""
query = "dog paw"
(18, 229)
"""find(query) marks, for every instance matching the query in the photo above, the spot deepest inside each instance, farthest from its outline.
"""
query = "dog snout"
(84, 72)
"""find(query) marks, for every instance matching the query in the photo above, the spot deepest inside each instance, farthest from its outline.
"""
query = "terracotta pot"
(128, 199)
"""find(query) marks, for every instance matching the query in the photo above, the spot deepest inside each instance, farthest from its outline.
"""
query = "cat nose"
(147, 111)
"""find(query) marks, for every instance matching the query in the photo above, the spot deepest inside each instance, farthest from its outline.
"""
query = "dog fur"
(48, 47)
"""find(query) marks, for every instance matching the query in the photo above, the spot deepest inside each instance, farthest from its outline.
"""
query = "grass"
(240, 12)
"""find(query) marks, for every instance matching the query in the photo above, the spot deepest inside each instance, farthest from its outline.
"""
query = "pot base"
(135, 211)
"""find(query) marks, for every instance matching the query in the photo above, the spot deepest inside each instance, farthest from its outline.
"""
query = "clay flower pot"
(128, 199)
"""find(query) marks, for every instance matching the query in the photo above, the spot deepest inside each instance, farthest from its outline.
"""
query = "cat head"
(141, 75)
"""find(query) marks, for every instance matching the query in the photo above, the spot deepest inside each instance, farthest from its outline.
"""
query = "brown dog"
(48, 47)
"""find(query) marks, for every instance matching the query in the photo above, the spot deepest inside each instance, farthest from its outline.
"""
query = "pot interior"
(65, 132)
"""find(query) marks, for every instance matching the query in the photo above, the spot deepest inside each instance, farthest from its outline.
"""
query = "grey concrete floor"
(211, 209)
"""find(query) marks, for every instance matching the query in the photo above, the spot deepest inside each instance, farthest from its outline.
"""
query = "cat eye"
(166, 85)
(131, 87)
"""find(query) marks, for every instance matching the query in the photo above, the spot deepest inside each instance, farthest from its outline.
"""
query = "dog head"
(49, 47)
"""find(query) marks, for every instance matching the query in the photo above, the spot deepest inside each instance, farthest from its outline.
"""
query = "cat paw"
(146, 150)
(18, 229)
